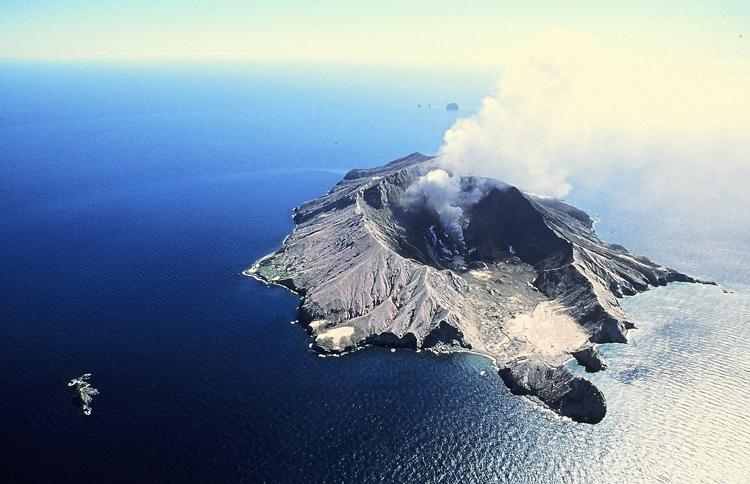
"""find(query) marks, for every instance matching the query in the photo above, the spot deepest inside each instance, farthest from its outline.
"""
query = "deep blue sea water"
(133, 196)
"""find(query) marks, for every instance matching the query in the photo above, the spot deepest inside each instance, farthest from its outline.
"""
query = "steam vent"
(516, 277)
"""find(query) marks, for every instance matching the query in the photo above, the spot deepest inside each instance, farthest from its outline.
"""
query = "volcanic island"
(523, 280)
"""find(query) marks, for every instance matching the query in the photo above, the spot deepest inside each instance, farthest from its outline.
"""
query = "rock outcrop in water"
(85, 392)
(529, 285)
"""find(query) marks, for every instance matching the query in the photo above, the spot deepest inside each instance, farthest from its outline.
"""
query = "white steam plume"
(661, 145)
(442, 193)
(437, 191)
(570, 113)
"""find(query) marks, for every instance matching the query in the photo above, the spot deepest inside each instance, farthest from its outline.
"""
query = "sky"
(418, 32)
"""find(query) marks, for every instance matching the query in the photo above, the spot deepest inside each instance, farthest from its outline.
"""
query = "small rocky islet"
(84, 392)
(529, 284)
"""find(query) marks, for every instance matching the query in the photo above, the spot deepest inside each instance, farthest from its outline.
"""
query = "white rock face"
(336, 339)
(548, 330)
(528, 284)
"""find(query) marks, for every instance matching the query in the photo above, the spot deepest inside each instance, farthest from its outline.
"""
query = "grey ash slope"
(532, 285)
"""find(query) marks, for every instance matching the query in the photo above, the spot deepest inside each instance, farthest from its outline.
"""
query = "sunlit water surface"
(134, 196)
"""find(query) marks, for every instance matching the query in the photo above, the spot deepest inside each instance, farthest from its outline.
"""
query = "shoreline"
(251, 273)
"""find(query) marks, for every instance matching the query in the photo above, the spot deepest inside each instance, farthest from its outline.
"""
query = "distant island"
(451, 107)
(524, 280)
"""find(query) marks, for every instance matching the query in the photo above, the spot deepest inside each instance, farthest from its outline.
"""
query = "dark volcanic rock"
(589, 358)
(529, 283)
(557, 388)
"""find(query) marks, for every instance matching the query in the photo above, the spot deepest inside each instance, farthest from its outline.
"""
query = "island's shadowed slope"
(530, 285)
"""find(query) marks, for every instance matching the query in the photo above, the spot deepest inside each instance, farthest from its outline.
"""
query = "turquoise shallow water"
(134, 196)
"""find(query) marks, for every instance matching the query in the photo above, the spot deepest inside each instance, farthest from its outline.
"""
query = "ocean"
(134, 195)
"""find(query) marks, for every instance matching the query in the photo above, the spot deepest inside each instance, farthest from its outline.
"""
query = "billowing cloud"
(660, 146)
(569, 113)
